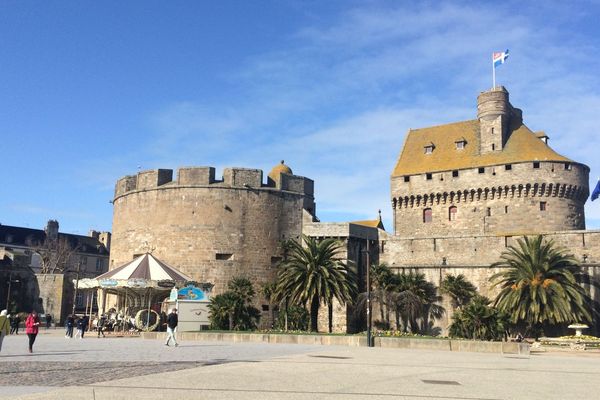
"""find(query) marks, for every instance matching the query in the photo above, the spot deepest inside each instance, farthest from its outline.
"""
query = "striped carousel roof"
(147, 267)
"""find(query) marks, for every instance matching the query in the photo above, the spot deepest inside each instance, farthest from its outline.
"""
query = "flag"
(596, 191)
(499, 57)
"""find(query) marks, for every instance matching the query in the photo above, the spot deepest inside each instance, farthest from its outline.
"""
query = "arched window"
(427, 215)
(452, 213)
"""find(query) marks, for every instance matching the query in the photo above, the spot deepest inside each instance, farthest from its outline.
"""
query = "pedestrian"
(86, 323)
(15, 320)
(48, 321)
(70, 323)
(80, 322)
(4, 326)
(32, 324)
(172, 327)
(101, 324)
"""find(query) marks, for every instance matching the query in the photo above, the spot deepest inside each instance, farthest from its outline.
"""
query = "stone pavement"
(132, 368)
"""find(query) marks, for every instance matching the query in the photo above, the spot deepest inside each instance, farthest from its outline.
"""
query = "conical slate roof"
(146, 267)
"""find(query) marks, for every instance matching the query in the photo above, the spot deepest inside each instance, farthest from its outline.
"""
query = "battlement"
(234, 177)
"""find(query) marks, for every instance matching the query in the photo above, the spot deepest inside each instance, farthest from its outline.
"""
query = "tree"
(384, 283)
(314, 274)
(55, 254)
(232, 309)
(477, 320)
(539, 285)
(460, 290)
(415, 302)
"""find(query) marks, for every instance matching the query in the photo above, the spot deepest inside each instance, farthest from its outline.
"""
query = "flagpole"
(493, 73)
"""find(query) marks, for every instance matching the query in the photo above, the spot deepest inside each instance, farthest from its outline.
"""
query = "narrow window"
(481, 170)
(492, 131)
(428, 177)
(99, 264)
(536, 164)
(568, 166)
(427, 217)
(508, 167)
(407, 178)
(452, 213)
(505, 209)
(542, 206)
(83, 260)
(455, 174)
(493, 147)
(488, 212)
(223, 256)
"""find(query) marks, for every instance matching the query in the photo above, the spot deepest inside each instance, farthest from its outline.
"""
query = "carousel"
(140, 288)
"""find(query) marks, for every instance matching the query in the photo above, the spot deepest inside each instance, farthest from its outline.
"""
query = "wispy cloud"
(338, 100)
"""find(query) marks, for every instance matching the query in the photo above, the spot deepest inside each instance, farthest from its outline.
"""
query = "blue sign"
(108, 282)
(190, 293)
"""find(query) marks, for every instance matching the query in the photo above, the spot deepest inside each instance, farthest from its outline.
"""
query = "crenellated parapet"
(238, 178)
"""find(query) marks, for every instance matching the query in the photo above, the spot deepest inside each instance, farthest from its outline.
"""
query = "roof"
(146, 267)
(27, 237)
(371, 223)
(279, 169)
(522, 146)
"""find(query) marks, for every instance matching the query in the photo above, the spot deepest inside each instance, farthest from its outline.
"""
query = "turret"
(497, 118)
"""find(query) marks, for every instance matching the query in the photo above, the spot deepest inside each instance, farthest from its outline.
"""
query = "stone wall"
(212, 230)
(53, 293)
(496, 200)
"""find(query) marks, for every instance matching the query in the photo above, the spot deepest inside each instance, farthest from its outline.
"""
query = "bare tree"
(55, 254)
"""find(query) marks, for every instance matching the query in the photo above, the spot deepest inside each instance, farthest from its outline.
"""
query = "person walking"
(172, 321)
(48, 321)
(70, 323)
(79, 323)
(101, 324)
(15, 320)
(32, 324)
(4, 326)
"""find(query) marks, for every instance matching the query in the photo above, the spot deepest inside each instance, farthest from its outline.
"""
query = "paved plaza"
(133, 368)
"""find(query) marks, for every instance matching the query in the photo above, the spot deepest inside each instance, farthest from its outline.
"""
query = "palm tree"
(222, 310)
(416, 301)
(384, 283)
(539, 285)
(460, 290)
(477, 320)
(313, 273)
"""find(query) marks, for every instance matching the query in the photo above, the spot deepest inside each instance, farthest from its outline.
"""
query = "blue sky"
(91, 91)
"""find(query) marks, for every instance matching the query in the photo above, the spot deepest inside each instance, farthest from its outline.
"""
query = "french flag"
(499, 57)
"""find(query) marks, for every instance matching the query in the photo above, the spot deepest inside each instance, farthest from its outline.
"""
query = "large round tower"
(210, 229)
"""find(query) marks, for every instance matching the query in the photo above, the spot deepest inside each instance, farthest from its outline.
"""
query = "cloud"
(337, 101)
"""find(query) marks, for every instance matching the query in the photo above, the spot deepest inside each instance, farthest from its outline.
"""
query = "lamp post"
(10, 281)
(76, 287)
(369, 326)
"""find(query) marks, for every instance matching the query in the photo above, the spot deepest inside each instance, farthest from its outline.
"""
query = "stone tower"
(495, 115)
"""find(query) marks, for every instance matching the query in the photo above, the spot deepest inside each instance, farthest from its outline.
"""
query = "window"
(428, 177)
(265, 307)
(83, 260)
(508, 167)
(9, 238)
(492, 131)
(99, 264)
(407, 178)
(481, 170)
(223, 256)
(568, 166)
(542, 206)
(427, 217)
(460, 144)
(493, 147)
(536, 164)
(488, 212)
(429, 148)
(455, 174)
(452, 213)
(79, 299)
(505, 209)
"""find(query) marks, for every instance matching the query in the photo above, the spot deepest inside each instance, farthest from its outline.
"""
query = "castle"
(461, 193)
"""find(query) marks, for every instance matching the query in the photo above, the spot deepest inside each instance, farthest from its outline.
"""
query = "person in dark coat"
(15, 320)
(172, 321)
(101, 325)
(48, 321)
(70, 323)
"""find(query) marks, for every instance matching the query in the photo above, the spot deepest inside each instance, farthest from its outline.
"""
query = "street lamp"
(369, 325)
(10, 281)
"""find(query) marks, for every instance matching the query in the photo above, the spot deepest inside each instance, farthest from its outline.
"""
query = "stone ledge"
(355, 341)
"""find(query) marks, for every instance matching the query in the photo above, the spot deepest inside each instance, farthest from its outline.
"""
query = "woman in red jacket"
(31, 328)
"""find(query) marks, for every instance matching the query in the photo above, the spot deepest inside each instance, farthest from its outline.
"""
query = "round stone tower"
(211, 229)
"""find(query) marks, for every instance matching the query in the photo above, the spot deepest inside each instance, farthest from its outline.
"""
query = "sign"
(108, 282)
(190, 293)
(137, 283)
(165, 284)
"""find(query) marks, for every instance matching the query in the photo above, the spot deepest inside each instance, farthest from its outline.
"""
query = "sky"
(92, 91)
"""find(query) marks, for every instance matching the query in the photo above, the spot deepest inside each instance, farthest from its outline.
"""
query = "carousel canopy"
(145, 267)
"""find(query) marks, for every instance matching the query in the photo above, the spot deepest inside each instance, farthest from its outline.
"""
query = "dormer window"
(429, 148)
(460, 143)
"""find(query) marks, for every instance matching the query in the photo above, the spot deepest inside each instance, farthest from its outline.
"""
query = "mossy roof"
(372, 223)
(523, 145)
